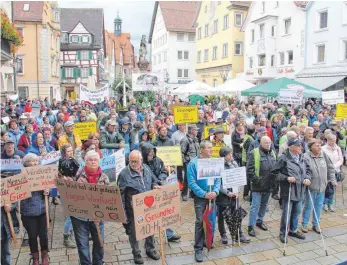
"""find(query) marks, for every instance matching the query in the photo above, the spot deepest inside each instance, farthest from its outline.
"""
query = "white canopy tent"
(233, 86)
(194, 87)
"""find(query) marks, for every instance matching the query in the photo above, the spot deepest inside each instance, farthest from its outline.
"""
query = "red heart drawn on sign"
(149, 200)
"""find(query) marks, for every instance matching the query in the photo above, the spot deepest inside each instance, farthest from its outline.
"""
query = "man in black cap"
(293, 175)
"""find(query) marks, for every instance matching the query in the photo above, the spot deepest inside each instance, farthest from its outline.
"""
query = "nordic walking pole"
(47, 211)
(162, 255)
(238, 229)
(287, 221)
(318, 222)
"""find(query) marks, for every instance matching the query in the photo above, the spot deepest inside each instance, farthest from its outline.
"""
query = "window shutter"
(78, 55)
(90, 55)
(70, 38)
(88, 39)
(78, 72)
(62, 72)
(79, 39)
(90, 71)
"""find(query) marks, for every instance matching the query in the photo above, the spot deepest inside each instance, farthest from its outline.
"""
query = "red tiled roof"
(179, 15)
(34, 14)
(122, 39)
(301, 3)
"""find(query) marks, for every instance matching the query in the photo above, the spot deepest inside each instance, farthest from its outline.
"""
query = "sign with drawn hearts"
(155, 209)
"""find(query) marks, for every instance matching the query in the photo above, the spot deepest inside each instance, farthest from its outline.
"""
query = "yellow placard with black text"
(171, 155)
(185, 114)
(83, 129)
(341, 110)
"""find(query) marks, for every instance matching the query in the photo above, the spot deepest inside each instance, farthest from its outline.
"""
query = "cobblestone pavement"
(265, 249)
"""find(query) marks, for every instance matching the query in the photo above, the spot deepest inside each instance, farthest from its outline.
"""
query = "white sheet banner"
(333, 97)
(50, 158)
(292, 95)
(93, 95)
(11, 164)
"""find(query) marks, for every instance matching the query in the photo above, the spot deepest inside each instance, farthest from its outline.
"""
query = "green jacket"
(106, 141)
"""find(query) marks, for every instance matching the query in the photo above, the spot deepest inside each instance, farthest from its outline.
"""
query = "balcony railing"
(5, 50)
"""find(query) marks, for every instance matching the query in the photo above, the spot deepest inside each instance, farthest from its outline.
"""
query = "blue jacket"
(200, 187)
(15, 136)
(34, 148)
(311, 119)
(33, 206)
(52, 119)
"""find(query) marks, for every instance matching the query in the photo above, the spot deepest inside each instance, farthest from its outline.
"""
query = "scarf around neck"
(241, 133)
(92, 177)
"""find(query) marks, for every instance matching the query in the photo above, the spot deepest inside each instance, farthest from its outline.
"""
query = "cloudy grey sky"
(136, 15)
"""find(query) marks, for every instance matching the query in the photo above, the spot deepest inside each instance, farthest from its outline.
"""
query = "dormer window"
(85, 39)
(26, 7)
(74, 39)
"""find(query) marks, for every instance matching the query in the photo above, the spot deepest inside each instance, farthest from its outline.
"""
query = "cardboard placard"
(160, 208)
(185, 114)
(235, 177)
(206, 128)
(210, 168)
(341, 110)
(14, 188)
(83, 129)
(227, 140)
(171, 155)
(92, 201)
(11, 164)
(50, 158)
(41, 177)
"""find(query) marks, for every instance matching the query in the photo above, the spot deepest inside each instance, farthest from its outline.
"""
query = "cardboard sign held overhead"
(92, 201)
(156, 209)
(171, 155)
(185, 114)
(41, 177)
(83, 129)
(14, 188)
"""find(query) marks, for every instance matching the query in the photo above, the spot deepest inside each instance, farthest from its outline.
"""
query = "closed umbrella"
(209, 223)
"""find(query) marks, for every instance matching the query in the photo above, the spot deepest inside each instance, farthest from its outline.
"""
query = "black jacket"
(236, 141)
(265, 180)
(156, 165)
(190, 148)
(286, 167)
(163, 141)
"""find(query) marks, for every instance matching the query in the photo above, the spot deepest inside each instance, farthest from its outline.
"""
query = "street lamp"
(224, 73)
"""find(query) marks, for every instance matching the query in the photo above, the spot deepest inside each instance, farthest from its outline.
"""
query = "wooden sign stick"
(162, 255)
(47, 211)
(10, 223)
(99, 235)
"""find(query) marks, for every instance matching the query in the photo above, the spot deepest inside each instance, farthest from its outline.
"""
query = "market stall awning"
(194, 87)
(320, 82)
(233, 86)
(272, 88)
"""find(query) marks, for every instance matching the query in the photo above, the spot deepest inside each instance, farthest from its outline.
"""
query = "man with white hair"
(260, 162)
(308, 135)
(284, 146)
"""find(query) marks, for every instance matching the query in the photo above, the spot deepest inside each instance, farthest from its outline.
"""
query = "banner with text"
(333, 97)
(185, 114)
(210, 168)
(292, 95)
(92, 95)
(14, 188)
(83, 129)
(155, 209)
(41, 177)
(235, 177)
(11, 164)
(171, 155)
(92, 201)
(50, 158)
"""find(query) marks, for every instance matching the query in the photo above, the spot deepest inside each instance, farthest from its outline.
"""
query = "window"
(69, 72)
(287, 26)
(214, 53)
(23, 91)
(272, 60)
(206, 30)
(26, 7)
(344, 13)
(186, 55)
(290, 57)
(154, 59)
(206, 55)
(84, 55)
(74, 39)
(186, 73)
(238, 19)
(64, 37)
(277, 4)
(180, 36)
(182, 73)
(261, 60)
(273, 31)
(198, 57)
(165, 56)
(263, 7)
(84, 72)
(238, 48)
(159, 58)
(85, 38)
(281, 58)
(199, 33)
(226, 22)
(20, 65)
(323, 20)
(215, 26)
(215, 82)
(261, 30)
(179, 73)
(252, 35)
(250, 62)
(191, 37)
(321, 53)
(179, 55)
(225, 50)
(56, 17)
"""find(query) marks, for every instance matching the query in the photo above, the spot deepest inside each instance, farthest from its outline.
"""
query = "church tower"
(117, 25)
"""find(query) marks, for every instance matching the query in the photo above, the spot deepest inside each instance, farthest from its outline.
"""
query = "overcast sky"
(136, 16)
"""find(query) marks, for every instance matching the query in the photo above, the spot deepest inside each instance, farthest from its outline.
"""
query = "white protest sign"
(50, 158)
(210, 168)
(227, 140)
(6, 119)
(333, 97)
(291, 95)
(120, 161)
(235, 177)
(92, 95)
(11, 164)
(172, 179)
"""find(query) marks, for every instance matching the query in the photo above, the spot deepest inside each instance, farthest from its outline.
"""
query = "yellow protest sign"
(171, 155)
(225, 127)
(83, 129)
(216, 150)
(341, 110)
(185, 114)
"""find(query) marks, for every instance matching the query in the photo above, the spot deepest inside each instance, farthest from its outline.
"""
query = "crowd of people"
(293, 154)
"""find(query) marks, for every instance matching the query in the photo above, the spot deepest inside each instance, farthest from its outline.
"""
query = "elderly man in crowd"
(110, 138)
(137, 178)
(69, 137)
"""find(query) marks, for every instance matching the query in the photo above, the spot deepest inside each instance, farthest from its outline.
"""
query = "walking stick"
(238, 229)
(10, 224)
(335, 194)
(47, 211)
(318, 222)
(287, 221)
(99, 235)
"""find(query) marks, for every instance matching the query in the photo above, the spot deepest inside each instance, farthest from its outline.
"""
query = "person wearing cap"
(260, 162)
(190, 149)
(210, 134)
(293, 174)
(227, 197)
(281, 118)
(126, 133)
(110, 138)
(218, 137)
(69, 136)
(10, 152)
(256, 143)
(23, 121)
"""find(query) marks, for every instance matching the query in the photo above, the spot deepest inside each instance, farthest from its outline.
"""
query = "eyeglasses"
(134, 161)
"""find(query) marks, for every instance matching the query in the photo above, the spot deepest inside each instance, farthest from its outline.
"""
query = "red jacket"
(66, 116)
(24, 142)
(269, 133)
(28, 108)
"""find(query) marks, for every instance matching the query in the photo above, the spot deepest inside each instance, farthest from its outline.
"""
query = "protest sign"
(292, 95)
(235, 177)
(41, 177)
(185, 114)
(5, 119)
(172, 179)
(14, 188)
(333, 97)
(341, 110)
(35, 112)
(227, 140)
(171, 155)
(206, 128)
(210, 168)
(11, 164)
(215, 151)
(83, 129)
(50, 158)
(155, 209)
(107, 152)
(120, 161)
(92, 201)
(93, 95)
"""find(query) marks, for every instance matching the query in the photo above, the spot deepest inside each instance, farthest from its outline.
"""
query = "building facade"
(37, 60)
(326, 45)
(82, 49)
(172, 39)
(274, 40)
(219, 40)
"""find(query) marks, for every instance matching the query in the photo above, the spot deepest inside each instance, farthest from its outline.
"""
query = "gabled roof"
(34, 14)
(91, 18)
(128, 50)
(178, 16)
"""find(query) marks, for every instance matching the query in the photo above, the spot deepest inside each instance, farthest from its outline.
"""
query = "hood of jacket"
(145, 149)
(141, 133)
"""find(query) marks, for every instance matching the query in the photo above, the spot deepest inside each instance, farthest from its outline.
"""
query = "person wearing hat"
(190, 149)
(210, 134)
(336, 130)
(110, 138)
(281, 118)
(292, 173)
(126, 133)
(69, 136)
(227, 197)
(218, 137)
(23, 121)
(9, 151)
